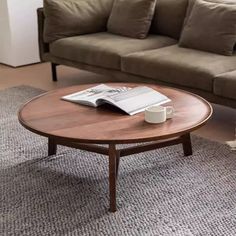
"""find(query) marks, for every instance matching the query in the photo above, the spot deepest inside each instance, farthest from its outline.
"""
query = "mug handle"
(169, 112)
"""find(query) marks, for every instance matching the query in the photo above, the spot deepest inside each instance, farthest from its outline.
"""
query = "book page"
(89, 96)
(130, 100)
(137, 99)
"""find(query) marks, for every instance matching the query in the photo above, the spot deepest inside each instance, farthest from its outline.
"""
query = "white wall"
(5, 34)
(19, 37)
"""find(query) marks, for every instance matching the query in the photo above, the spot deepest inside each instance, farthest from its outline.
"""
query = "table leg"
(112, 176)
(52, 147)
(187, 146)
(117, 163)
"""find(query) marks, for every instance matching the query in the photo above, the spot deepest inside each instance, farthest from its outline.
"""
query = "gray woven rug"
(159, 193)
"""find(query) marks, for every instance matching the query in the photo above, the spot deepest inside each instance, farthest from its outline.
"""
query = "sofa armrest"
(43, 47)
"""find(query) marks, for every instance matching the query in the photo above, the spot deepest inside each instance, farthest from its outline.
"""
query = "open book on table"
(130, 100)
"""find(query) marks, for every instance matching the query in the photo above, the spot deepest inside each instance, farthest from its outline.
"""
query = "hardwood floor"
(39, 76)
(220, 128)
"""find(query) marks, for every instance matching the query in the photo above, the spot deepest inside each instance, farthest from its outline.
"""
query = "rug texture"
(160, 192)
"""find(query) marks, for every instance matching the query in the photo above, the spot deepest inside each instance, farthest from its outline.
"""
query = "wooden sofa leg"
(54, 71)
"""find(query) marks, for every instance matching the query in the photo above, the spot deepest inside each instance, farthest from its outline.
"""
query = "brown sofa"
(158, 58)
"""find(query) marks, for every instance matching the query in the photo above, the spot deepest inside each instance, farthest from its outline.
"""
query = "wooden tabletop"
(50, 116)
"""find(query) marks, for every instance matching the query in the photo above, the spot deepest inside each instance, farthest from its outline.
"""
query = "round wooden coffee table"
(83, 127)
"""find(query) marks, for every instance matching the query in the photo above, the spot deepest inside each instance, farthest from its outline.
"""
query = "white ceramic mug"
(158, 114)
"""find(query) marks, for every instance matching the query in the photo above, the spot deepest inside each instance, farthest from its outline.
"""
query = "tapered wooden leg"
(52, 147)
(112, 176)
(54, 71)
(117, 163)
(187, 145)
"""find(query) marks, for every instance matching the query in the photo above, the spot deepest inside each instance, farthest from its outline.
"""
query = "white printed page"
(131, 101)
(89, 96)
(137, 99)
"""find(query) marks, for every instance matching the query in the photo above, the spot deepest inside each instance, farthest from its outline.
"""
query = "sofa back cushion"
(210, 26)
(192, 2)
(131, 18)
(65, 18)
(169, 17)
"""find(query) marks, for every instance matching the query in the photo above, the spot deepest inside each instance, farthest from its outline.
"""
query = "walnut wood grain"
(112, 176)
(52, 147)
(50, 116)
(83, 127)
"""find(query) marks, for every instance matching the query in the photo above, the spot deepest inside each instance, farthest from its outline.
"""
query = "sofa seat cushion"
(225, 85)
(104, 49)
(180, 66)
